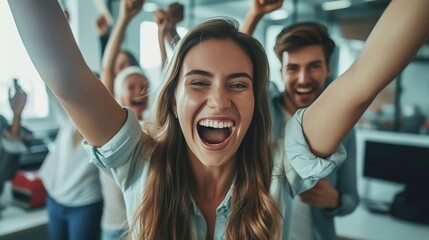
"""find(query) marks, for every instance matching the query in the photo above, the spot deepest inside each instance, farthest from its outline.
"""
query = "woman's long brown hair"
(166, 203)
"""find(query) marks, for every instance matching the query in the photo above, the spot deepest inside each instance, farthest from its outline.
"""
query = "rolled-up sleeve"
(303, 168)
(120, 157)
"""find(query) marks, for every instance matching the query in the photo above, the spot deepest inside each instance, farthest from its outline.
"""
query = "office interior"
(392, 136)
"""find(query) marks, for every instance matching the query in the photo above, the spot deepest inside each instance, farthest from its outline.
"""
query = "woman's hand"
(130, 8)
(262, 7)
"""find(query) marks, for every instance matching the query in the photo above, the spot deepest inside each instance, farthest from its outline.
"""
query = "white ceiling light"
(150, 7)
(279, 14)
(335, 5)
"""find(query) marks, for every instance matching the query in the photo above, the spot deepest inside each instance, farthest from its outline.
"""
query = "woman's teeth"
(216, 124)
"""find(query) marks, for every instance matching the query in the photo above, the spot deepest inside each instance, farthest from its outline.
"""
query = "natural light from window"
(150, 56)
(15, 63)
(274, 63)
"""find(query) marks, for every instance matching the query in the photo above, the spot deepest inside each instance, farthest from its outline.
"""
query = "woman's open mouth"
(215, 134)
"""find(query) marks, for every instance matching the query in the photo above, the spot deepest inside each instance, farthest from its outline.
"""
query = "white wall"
(415, 83)
(83, 15)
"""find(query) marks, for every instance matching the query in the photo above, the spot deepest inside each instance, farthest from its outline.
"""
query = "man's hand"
(322, 195)
(175, 12)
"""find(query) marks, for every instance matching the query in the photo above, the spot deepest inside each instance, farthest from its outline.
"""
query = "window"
(273, 61)
(15, 63)
(150, 56)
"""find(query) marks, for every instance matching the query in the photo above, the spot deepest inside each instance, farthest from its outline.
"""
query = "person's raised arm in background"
(55, 54)
(175, 13)
(17, 103)
(167, 27)
(161, 21)
(11, 144)
(257, 10)
(103, 32)
(127, 10)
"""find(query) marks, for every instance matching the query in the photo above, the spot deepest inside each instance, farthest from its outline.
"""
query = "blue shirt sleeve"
(346, 182)
(303, 168)
(121, 156)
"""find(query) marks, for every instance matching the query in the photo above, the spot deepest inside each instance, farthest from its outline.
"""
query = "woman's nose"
(219, 99)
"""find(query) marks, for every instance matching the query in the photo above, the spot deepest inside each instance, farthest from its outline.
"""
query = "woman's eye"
(238, 85)
(199, 84)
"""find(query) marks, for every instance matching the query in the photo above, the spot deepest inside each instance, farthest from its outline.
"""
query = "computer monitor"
(401, 158)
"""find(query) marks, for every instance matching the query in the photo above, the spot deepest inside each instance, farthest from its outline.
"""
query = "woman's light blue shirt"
(295, 170)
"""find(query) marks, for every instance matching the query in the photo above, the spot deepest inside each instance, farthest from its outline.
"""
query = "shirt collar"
(224, 205)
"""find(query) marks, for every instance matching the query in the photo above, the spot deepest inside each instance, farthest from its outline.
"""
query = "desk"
(16, 220)
(364, 225)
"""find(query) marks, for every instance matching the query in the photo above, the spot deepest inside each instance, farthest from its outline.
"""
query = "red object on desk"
(28, 190)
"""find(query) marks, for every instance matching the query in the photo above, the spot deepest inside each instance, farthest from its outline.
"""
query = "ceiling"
(297, 9)
(355, 21)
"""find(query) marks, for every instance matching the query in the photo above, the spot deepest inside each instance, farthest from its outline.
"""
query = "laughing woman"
(202, 169)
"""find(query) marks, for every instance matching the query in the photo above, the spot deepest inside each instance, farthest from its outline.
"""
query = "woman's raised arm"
(396, 38)
(50, 44)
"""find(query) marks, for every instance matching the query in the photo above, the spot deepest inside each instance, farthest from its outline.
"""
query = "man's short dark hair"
(304, 34)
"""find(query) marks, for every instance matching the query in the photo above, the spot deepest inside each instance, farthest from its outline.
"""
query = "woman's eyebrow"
(239, 75)
(209, 74)
(199, 72)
